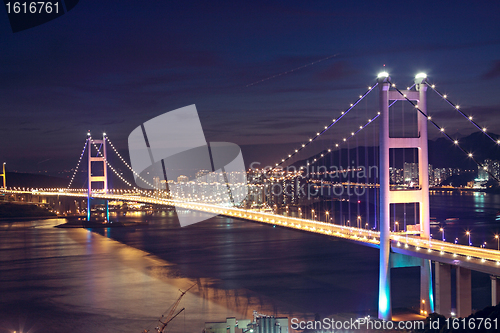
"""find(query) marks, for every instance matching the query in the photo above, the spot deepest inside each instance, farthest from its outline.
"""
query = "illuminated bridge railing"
(441, 248)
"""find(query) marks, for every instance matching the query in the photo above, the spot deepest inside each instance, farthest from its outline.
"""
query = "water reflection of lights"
(479, 202)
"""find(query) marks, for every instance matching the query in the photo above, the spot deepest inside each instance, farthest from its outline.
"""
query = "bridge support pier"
(464, 293)
(426, 294)
(58, 206)
(495, 290)
(88, 206)
(443, 288)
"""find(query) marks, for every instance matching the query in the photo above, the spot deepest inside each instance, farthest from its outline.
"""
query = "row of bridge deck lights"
(298, 226)
(313, 215)
(329, 232)
(314, 229)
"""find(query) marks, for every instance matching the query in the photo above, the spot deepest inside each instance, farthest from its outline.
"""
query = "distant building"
(156, 181)
(410, 171)
(260, 324)
(182, 179)
(212, 178)
(396, 175)
(495, 169)
(482, 170)
(437, 176)
(482, 173)
(431, 176)
(488, 168)
(201, 176)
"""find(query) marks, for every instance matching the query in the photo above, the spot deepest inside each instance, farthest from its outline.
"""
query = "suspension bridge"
(403, 248)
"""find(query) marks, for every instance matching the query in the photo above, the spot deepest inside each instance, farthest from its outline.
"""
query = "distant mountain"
(442, 154)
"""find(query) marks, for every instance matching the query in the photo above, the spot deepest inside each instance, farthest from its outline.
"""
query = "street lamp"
(396, 227)
(326, 216)
(442, 230)
(498, 242)
(468, 234)
(300, 212)
(358, 222)
(312, 214)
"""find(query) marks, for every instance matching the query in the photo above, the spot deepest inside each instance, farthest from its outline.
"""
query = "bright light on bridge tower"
(388, 197)
(101, 157)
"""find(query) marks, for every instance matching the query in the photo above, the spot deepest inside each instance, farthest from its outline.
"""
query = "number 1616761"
(34, 7)
(472, 324)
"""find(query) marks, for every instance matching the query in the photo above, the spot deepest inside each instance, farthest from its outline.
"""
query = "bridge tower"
(388, 197)
(102, 157)
(4, 176)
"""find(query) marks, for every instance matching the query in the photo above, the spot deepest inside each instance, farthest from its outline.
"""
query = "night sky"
(112, 65)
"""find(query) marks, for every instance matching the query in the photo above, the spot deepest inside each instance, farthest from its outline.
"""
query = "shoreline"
(27, 218)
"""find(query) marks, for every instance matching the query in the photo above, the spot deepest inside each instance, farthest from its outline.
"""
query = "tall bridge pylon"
(388, 196)
(101, 157)
(4, 177)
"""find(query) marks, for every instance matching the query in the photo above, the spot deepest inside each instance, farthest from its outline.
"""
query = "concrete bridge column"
(464, 293)
(384, 293)
(443, 288)
(426, 297)
(495, 290)
(59, 206)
